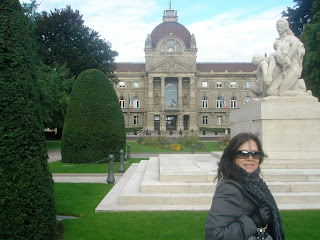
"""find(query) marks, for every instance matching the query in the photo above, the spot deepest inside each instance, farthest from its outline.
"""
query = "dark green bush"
(94, 124)
(27, 209)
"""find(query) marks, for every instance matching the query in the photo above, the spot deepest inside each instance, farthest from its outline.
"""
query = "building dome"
(170, 27)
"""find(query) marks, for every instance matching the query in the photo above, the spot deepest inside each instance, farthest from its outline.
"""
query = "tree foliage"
(64, 39)
(55, 84)
(94, 125)
(299, 15)
(311, 39)
(26, 187)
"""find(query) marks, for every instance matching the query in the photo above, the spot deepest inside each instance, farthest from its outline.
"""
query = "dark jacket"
(228, 216)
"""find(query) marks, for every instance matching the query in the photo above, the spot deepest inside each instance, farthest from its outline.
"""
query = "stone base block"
(289, 127)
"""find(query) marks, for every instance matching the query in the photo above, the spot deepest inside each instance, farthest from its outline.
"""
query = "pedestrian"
(242, 204)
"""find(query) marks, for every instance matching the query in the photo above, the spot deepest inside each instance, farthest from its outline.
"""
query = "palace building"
(172, 91)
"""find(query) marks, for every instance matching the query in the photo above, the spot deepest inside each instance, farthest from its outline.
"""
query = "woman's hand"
(261, 216)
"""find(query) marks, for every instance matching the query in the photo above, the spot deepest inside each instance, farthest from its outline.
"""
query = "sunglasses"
(245, 154)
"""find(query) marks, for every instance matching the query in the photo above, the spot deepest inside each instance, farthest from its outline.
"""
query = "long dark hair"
(226, 164)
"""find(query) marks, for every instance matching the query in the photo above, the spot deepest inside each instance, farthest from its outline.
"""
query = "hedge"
(94, 124)
(27, 209)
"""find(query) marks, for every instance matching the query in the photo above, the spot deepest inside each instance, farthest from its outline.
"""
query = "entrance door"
(171, 122)
(185, 122)
(156, 122)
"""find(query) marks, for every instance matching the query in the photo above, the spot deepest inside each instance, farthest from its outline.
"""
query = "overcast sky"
(225, 30)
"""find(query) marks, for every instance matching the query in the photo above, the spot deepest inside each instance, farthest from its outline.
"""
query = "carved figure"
(284, 66)
(261, 75)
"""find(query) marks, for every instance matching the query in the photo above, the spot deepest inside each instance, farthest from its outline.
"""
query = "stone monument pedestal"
(289, 127)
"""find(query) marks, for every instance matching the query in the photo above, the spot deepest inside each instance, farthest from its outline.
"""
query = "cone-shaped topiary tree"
(94, 125)
(27, 209)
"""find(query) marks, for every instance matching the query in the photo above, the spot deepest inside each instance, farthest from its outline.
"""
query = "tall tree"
(26, 187)
(55, 84)
(299, 15)
(64, 39)
(311, 40)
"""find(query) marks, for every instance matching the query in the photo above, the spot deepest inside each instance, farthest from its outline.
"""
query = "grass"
(53, 144)
(60, 167)
(81, 200)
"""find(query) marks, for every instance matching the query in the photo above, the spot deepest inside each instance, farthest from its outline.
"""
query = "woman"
(242, 202)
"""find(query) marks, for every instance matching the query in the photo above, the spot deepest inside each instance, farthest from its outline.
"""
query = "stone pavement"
(55, 155)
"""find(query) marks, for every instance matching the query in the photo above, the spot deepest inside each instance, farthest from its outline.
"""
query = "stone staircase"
(186, 182)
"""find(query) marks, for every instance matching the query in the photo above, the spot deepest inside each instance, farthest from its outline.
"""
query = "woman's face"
(249, 164)
(281, 28)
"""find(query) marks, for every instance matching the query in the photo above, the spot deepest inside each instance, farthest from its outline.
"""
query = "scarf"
(258, 189)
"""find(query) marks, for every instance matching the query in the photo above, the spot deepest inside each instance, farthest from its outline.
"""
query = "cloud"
(231, 36)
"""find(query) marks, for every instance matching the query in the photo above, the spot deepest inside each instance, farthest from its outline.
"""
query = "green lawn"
(53, 144)
(81, 200)
(60, 167)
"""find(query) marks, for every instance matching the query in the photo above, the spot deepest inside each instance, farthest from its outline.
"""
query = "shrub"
(158, 142)
(27, 209)
(191, 138)
(94, 125)
(223, 141)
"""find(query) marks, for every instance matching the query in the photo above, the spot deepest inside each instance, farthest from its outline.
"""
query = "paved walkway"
(55, 155)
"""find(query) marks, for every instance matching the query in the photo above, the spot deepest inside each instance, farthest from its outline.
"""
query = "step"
(283, 163)
(151, 182)
(297, 198)
(290, 164)
(140, 188)
(111, 201)
(294, 186)
(187, 167)
(291, 175)
(132, 195)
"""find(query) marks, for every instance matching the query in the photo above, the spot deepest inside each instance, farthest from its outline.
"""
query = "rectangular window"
(205, 103)
(122, 102)
(204, 84)
(135, 120)
(205, 120)
(233, 85)
(247, 84)
(219, 120)
(136, 85)
(219, 103)
(121, 84)
(219, 85)
(233, 103)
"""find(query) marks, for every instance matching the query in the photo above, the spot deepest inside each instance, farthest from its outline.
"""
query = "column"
(180, 92)
(162, 91)
(150, 115)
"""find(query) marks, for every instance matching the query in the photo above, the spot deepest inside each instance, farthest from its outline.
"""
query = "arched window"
(247, 99)
(122, 102)
(170, 47)
(233, 102)
(136, 102)
(219, 102)
(204, 102)
(171, 95)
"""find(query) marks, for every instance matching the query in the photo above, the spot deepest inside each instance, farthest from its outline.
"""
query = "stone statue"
(284, 66)
(261, 75)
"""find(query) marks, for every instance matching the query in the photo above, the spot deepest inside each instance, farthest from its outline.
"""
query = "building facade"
(171, 91)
